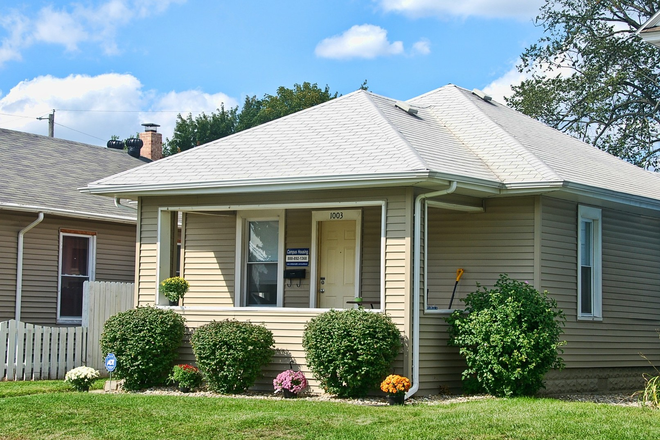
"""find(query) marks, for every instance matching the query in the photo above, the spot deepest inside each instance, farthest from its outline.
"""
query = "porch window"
(589, 264)
(260, 260)
(77, 261)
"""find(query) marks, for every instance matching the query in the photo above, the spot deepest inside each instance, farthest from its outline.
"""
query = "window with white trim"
(260, 262)
(76, 265)
(589, 264)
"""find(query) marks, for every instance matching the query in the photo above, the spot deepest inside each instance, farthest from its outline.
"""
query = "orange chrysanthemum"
(394, 384)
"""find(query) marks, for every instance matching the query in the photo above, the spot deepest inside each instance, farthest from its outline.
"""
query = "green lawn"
(70, 415)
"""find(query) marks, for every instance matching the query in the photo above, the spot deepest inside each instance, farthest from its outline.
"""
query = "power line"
(78, 131)
(133, 111)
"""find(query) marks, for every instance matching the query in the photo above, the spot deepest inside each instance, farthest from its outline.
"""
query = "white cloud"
(422, 47)
(90, 109)
(70, 27)
(501, 87)
(523, 10)
(360, 41)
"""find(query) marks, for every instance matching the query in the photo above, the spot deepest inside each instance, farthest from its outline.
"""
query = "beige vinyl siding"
(631, 286)
(209, 259)
(371, 244)
(298, 235)
(499, 240)
(147, 252)
(10, 224)
(115, 260)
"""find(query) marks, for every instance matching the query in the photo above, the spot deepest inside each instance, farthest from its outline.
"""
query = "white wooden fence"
(101, 300)
(33, 352)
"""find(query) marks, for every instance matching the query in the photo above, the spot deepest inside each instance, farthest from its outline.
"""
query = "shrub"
(231, 353)
(509, 336)
(350, 351)
(145, 341)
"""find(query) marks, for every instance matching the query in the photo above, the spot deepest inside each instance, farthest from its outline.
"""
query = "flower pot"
(174, 303)
(396, 399)
(289, 394)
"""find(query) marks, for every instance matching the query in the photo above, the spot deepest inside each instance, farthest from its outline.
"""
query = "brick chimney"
(153, 142)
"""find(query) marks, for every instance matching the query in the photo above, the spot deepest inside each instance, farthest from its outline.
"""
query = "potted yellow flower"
(174, 289)
(396, 387)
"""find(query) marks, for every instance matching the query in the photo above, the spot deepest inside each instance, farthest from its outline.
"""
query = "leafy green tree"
(594, 78)
(190, 132)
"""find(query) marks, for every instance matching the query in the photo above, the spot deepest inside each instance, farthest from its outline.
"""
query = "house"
(366, 196)
(53, 238)
(650, 31)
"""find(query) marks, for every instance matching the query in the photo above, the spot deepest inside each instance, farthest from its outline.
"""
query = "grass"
(58, 414)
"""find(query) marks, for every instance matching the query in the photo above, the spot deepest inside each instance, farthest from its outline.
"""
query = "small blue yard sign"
(110, 362)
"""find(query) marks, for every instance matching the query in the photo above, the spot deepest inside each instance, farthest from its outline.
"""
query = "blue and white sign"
(110, 362)
(297, 257)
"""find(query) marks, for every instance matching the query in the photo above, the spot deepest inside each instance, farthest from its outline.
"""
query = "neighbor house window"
(589, 263)
(77, 255)
(260, 266)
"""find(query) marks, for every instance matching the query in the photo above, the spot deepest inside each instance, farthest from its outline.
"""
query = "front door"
(337, 244)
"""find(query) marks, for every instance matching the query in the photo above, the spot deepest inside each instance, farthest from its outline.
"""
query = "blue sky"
(106, 66)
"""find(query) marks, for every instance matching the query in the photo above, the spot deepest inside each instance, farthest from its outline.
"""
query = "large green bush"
(145, 341)
(509, 336)
(350, 351)
(231, 353)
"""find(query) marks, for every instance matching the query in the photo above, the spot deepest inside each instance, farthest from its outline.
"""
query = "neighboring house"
(52, 237)
(650, 31)
(367, 196)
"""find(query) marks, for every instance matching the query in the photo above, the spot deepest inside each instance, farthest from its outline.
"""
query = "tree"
(594, 78)
(189, 132)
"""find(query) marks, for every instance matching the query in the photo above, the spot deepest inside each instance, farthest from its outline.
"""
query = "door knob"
(322, 291)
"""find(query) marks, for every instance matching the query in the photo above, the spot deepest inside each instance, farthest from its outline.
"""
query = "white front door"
(337, 244)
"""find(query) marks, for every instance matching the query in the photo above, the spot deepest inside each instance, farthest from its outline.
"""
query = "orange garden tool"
(459, 274)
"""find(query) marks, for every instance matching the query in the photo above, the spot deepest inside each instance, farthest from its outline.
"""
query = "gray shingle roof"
(40, 173)
(365, 137)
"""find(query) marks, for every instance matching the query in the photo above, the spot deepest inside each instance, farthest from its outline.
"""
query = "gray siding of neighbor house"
(210, 241)
(499, 240)
(115, 261)
(631, 286)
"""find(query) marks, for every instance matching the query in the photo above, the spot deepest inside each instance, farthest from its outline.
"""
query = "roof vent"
(405, 107)
(482, 95)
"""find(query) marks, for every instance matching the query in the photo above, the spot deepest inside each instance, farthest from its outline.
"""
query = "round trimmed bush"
(231, 353)
(145, 341)
(350, 351)
(509, 336)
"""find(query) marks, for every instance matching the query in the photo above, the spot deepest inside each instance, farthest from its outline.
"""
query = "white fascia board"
(263, 185)
(651, 37)
(68, 213)
(613, 196)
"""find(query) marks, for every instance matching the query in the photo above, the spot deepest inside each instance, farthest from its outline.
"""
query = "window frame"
(242, 237)
(91, 262)
(593, 216)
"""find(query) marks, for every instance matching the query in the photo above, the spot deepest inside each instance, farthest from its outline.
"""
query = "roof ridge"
(397, 133)
(487, 152)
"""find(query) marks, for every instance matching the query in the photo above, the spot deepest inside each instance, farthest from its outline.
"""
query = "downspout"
(19, 263)
(417, 281)
(119, 205)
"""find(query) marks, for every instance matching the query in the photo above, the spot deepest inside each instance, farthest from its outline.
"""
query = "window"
(589, 263)
(260, 262)
(77, 253)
